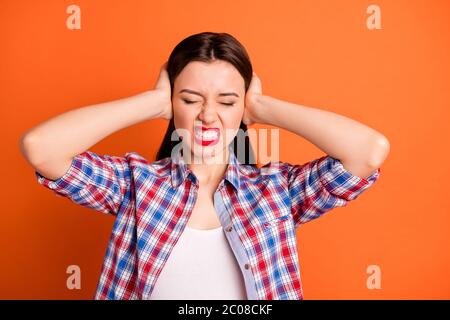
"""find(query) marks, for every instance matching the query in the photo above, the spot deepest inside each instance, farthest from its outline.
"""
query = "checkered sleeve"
(321, 185)
(99, 182)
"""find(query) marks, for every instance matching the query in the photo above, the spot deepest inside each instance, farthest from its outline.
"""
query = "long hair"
(207, 47)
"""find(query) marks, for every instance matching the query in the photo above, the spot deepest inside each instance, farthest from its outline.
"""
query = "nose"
(208, 113)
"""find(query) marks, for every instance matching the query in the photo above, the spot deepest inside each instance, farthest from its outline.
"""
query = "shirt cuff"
(341, 182)
(72, 181)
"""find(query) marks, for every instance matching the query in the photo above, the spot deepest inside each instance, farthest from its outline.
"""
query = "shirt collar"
(180, 170)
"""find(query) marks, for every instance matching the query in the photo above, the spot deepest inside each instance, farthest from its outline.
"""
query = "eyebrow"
(199, 94)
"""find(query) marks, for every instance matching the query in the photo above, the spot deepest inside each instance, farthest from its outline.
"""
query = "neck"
(212, 170)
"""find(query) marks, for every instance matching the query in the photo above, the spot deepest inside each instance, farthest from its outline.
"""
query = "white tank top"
(201, 266)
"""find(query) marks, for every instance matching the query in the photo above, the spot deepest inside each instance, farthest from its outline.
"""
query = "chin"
(208, 153)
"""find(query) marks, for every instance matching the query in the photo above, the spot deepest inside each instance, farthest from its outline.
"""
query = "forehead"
(213, 76)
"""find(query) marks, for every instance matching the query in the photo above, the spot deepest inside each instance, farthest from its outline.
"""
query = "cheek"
(233, 118)
(231, 122)
(183, 117)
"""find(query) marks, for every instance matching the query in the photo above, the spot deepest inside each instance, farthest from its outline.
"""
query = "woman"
(198, 223)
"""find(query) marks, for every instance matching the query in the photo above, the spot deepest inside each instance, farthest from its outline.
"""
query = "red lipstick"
(206, 136)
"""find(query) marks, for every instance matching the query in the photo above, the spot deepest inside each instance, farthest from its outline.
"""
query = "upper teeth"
(207, 134)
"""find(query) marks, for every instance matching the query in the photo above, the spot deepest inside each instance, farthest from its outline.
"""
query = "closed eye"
(190, 102)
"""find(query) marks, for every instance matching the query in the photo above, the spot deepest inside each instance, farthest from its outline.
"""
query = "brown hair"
(207, 47)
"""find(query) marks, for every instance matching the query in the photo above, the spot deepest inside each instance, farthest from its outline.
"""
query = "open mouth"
(206, 136)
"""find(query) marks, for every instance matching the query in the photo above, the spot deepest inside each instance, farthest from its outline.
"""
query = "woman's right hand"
(162, 86)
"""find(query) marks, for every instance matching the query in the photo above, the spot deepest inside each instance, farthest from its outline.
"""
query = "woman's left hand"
(250, 115)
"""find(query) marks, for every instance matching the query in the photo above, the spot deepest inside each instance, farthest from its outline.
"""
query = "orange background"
(315, 53)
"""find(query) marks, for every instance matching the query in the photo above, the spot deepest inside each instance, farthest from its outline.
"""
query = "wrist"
(261, 109)
(159, 104)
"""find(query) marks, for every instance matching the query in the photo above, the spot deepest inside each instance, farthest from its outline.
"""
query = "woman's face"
(208, 105)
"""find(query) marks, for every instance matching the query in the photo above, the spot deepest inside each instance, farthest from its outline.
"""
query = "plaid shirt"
(259, 209)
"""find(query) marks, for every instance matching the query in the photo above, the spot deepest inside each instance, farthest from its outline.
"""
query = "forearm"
(73, 132)
(336, 135)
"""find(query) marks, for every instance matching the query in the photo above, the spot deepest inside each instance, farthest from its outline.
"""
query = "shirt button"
(247, 266)
(229, 228)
